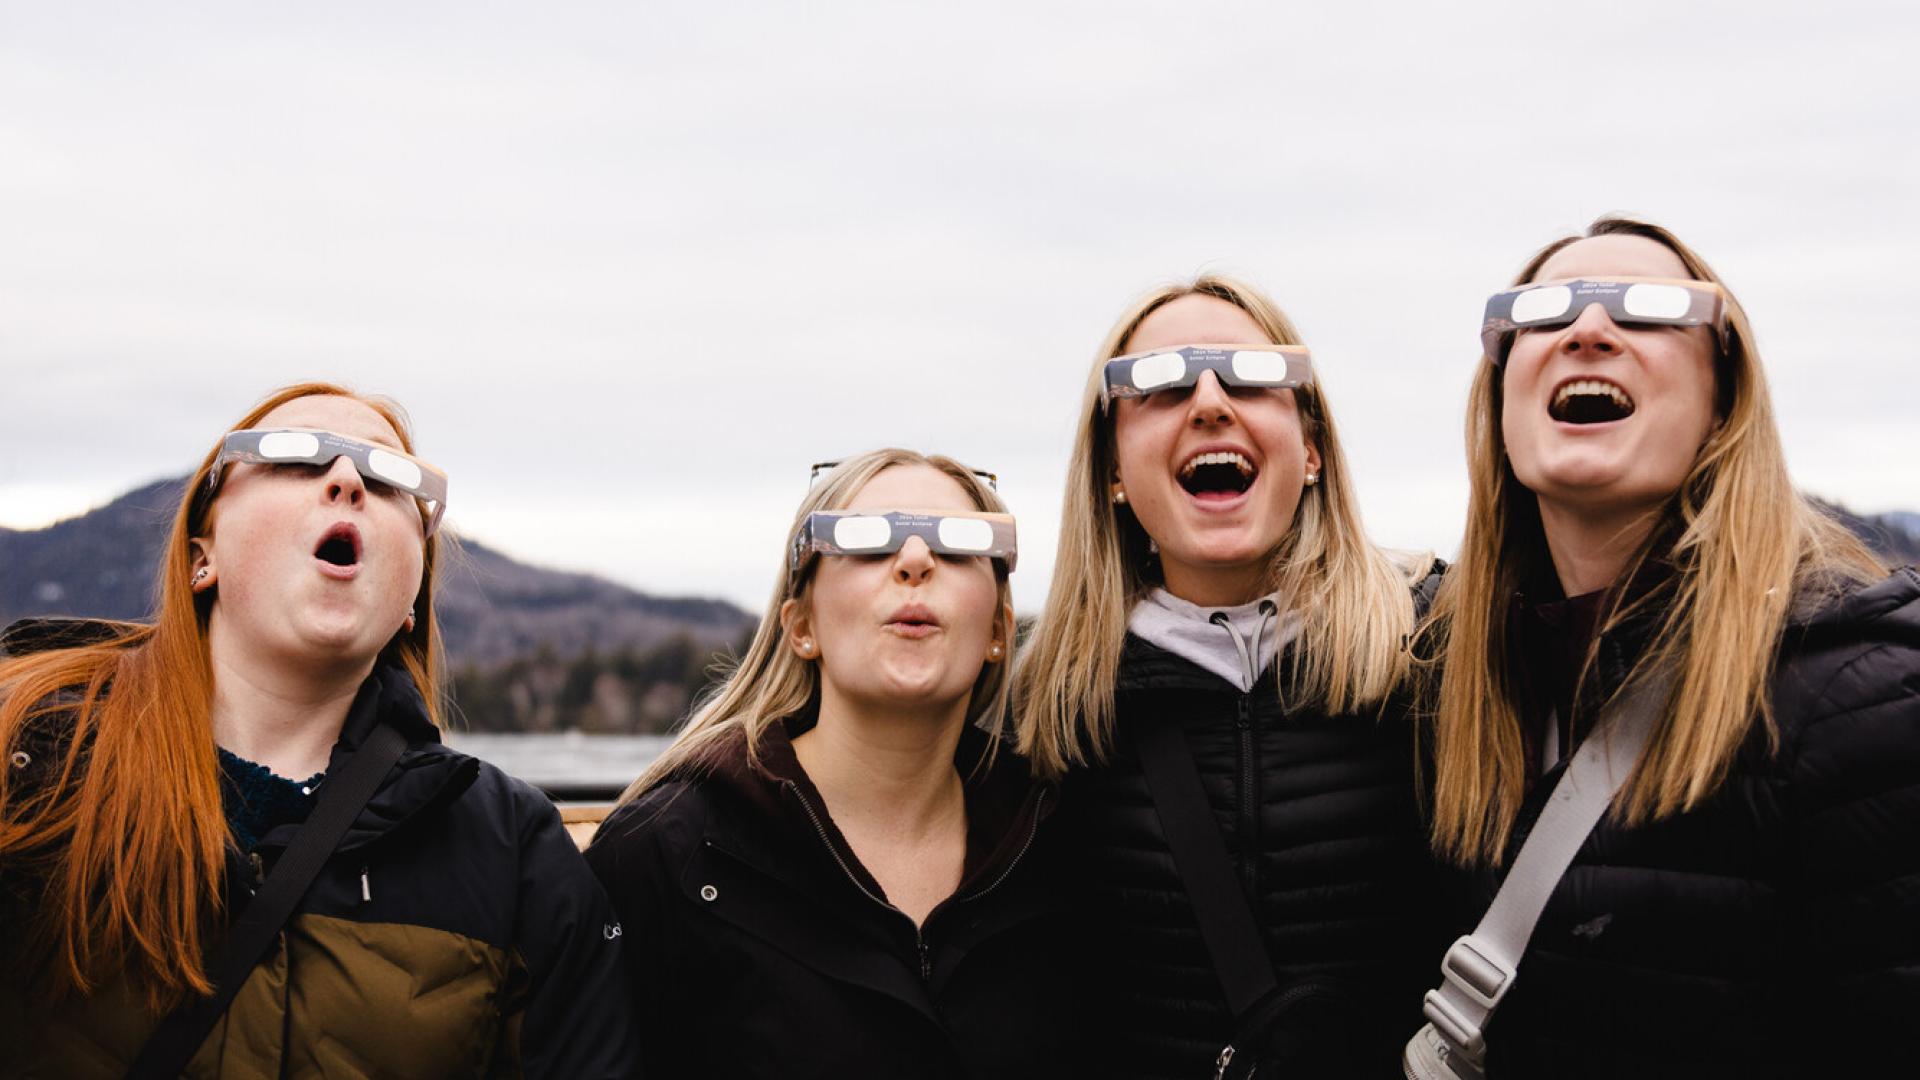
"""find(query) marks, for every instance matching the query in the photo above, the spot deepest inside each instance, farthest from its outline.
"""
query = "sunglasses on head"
(1271, 367)
(821, 468)
(865, 532)
(1627, 301)
(299, 446)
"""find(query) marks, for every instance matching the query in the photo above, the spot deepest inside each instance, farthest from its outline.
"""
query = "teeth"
(1226, 457)
(1594, 387)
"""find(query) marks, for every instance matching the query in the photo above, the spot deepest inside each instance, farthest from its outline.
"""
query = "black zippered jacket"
(453, 932)
(1321, 826)
(1772, 931)
(760, 947)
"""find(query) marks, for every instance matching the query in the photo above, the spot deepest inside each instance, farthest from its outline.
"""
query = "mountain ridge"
(492, 607)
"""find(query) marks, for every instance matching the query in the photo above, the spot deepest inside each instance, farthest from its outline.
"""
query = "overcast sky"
(633, 266)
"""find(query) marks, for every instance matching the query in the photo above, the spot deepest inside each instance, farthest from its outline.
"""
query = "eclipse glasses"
(1628, 302)
(299, 446)
(857, 532)
(1269, 367)
(818, 468)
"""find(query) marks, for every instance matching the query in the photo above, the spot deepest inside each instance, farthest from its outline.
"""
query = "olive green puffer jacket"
(455, 932)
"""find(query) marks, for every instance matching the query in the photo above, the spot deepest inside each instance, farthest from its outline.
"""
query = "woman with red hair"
(165, 784)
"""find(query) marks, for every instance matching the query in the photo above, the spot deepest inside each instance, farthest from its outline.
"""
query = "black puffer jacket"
(1775, 930)
(455, 932)
(1320, 821)
(762, 948)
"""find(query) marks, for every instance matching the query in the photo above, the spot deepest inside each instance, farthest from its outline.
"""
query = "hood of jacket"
(1237, 643)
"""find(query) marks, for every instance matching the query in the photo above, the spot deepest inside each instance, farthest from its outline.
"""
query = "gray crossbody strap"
(1480, 967)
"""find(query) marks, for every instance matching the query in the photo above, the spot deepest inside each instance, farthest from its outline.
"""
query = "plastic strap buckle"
(1480, 978)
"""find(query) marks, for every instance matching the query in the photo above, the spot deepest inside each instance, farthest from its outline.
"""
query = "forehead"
(1196, 319)
(912, 487)
(1613, 256)
(331, 412)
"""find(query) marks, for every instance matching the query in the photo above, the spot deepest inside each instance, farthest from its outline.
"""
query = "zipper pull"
(1245, 718)
(1223, 1062)
(926, 964)
(366, 887)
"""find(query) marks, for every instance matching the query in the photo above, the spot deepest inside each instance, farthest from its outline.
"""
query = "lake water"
(569, 766)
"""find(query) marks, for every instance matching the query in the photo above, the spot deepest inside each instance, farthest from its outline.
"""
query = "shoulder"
(42, 741)
(1847, 695)
(664, 821)
(1853, 650)
(1426, 586)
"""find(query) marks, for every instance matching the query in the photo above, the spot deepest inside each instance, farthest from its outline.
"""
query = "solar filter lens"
(1539, 305)
(1158, 370)
(966, 534)
(1260, 368)
(393, 468)
(865, 533)
(1647, 301)
(289, 446)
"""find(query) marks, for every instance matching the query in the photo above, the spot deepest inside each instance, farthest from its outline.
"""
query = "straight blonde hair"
(1355, 602)
(770, 683)
(1744, 547)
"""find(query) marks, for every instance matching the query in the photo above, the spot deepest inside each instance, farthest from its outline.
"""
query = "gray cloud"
(633, 267)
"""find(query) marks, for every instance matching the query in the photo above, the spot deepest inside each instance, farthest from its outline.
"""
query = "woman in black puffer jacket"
(1213, 577)
(836, 871)
(1751, 905)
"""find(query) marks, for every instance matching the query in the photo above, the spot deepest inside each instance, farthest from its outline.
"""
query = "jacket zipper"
(1249, 813)
(1033, 830)
(1243, 721)
(919, 938)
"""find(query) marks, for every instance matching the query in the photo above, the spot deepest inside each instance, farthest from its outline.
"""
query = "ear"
(797, 623)
(200, 570)
(1000, 645)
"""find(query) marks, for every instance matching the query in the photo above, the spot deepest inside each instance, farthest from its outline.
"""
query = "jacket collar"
(427, 776)
(771, 815)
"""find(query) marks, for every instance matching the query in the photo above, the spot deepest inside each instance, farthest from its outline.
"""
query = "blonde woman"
(1214, 578)
(834, 871)
(1750, 904)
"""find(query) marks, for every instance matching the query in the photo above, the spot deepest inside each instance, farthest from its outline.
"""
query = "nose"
(914, 562)
(1209, 403)
(1593, 334)
(343, 483)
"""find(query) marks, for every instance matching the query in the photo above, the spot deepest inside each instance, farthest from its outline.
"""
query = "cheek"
(1137, 439)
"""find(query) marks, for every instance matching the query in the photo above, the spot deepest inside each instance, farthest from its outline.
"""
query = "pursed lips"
(913, 621)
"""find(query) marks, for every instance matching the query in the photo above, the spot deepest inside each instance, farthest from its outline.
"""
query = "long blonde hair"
(1743, 544)
(1355, 602)
(130, 835)
(770, 683)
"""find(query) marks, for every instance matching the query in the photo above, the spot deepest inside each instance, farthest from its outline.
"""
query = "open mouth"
(1220, 474)
(340, 547)
(1589, 401)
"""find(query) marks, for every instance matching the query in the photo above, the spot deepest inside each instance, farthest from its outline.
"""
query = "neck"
(283, 716)
(1590, 549)
(1217, 586)
(891, 766)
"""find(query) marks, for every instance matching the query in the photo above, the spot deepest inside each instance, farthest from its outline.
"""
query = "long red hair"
(129, 839)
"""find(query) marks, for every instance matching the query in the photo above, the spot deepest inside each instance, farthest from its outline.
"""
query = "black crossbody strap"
(345, 794)
(1200, 853)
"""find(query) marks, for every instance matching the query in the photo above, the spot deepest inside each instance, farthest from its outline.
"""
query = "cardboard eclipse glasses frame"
(862, 532)
(302, 446)
(1271, 367)
(1628, 301)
